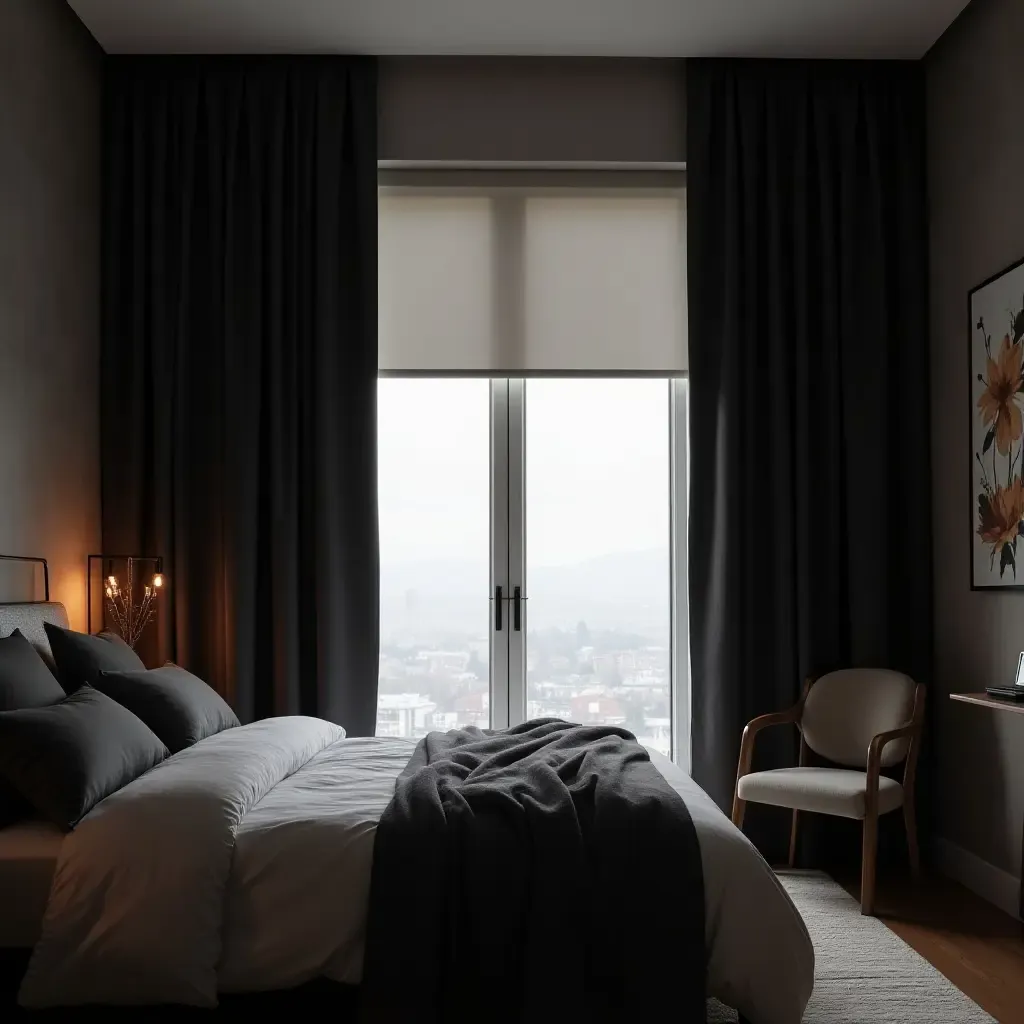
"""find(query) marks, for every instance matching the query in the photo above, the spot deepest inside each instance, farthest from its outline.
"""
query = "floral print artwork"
(997, 346)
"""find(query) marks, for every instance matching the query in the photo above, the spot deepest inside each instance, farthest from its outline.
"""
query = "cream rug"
(863, 973)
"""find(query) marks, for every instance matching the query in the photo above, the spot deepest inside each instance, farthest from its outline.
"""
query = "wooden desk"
(1015, 707)
(990, 702)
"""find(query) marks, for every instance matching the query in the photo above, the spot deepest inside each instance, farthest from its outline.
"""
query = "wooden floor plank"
(974, 944)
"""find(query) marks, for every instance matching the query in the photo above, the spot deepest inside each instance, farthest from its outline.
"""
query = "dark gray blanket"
(542, 873)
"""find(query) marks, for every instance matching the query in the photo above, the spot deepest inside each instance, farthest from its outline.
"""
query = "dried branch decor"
(130, 618)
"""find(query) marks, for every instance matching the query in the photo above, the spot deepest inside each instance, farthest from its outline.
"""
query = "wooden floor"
(978, 947)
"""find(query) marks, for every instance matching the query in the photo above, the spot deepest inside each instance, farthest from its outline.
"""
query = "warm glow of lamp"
(129, 600)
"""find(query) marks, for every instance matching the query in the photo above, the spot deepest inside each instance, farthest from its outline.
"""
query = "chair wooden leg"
(738, 808)
(792, 838)
(869, 858)
(910, 821)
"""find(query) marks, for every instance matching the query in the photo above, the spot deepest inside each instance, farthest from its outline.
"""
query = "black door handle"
(497, 608)
(517, 609)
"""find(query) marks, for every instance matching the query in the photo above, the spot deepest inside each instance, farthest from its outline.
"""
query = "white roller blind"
(517, 282)
(435, 302)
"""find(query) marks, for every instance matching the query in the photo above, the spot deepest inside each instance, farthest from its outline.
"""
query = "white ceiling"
(628, 28)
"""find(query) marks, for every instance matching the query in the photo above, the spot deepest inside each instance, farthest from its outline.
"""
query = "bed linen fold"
(137, 904)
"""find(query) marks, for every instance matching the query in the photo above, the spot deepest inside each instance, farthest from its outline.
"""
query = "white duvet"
(243, 863)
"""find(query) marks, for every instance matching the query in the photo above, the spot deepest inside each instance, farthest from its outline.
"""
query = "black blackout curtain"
(809, 439)
(240, 366)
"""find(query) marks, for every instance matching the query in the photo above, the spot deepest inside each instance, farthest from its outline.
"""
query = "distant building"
(594, 709)
(615, 661)
(403, 714)
(473, 709)
(548, 709)
(443, 721)
(391, 668)
(657, 734)
(646, 680)
(444, 662)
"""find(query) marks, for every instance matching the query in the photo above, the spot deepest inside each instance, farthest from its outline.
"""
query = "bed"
(28, 859)
(243, 863)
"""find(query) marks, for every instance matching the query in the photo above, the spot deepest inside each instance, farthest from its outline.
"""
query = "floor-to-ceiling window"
(532, 460)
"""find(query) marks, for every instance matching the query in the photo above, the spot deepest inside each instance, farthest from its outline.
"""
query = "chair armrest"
(880, 742)
(754, 727)
(875, 748)
(883, 739)
(909, 730)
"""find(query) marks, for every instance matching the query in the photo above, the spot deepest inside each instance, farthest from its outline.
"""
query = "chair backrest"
(845, 710)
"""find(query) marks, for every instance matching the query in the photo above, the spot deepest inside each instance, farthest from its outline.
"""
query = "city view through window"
(597, 551)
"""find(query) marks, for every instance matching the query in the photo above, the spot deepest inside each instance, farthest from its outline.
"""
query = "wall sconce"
(129, 598)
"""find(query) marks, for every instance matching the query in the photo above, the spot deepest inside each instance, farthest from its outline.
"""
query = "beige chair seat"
(819, 790)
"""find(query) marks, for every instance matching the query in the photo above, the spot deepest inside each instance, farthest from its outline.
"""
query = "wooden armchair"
(865, 719)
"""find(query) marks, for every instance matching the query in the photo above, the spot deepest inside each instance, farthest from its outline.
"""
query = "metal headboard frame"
(36, 561)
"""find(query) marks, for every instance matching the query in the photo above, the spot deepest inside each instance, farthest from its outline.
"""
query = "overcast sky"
(597, 468)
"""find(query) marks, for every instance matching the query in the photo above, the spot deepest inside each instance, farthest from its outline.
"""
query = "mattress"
(28, 857)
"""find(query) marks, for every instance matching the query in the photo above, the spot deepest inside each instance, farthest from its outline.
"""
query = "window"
(598, 569)
(533, 507)
(434, 489)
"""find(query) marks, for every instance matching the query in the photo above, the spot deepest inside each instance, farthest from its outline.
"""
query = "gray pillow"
(178, 706)
(65, 758)
(25, 682)
(25, 679)
(80, 658)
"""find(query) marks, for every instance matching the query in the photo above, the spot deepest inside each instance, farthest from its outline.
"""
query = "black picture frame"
(1017, 577)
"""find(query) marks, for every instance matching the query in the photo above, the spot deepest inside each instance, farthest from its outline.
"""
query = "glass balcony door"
(533, 554)
(434, 496)
(597, 568)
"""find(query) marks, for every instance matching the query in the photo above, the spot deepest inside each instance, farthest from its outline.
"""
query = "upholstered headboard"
(29, 618)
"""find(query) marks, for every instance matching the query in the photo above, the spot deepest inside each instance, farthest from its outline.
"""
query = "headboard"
(29, 617)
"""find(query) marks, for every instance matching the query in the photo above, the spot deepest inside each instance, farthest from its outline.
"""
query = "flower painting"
(997, 430)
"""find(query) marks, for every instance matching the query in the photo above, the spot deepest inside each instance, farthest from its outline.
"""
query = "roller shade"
(513, 281)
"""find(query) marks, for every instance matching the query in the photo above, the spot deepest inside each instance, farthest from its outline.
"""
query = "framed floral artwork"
(996, 347)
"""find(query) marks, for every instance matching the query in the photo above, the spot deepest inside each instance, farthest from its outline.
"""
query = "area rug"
(863, 973)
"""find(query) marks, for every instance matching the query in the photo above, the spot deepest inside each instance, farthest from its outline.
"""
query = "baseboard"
(989, 882)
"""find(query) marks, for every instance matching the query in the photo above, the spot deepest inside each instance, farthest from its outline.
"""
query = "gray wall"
(525, 108)
(50, 80)
(976, 197)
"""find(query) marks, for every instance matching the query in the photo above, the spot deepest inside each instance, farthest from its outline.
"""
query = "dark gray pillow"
(80, 658)
(65, 758)
(25, 679)
(25, 682)
(178, 706)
